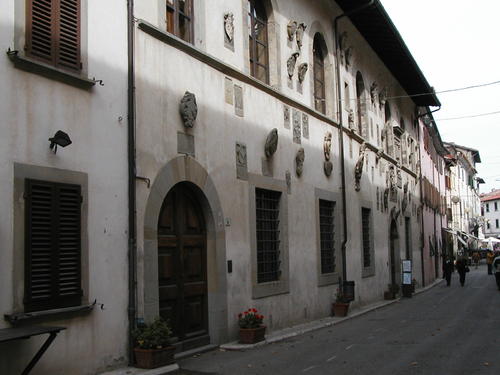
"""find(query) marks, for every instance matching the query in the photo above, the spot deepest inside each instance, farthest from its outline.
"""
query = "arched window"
(402, 123)
(319, 52)
(258, 40)
(180, 19)
(361, 104)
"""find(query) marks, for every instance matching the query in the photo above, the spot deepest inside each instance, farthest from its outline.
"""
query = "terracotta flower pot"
(340, 308)
(252, 335)
(153, 358)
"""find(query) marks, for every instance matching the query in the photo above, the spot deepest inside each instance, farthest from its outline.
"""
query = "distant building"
(490, 209)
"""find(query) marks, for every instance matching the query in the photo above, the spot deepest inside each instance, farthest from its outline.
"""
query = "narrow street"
(446, 330)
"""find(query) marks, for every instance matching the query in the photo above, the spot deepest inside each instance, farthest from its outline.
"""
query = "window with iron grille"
(366, 228)
(180, 19)
(326, 232)
(258, 40)
(52, 245)
(268, 234)
(53, 32)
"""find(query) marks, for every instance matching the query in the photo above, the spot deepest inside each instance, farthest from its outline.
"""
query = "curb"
(317, 324)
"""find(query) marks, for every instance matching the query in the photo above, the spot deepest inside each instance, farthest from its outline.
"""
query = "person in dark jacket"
(462, 268)
(448, 270)
(496, 268)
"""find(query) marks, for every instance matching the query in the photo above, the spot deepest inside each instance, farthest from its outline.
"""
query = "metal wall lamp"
(59, 139)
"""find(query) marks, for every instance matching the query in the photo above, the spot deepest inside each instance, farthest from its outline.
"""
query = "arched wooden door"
(182, 266)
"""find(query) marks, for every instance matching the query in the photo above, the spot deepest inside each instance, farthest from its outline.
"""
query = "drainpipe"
(132, 237)
(341, 135)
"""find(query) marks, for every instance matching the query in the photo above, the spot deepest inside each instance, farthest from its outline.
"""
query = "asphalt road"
(444, 331)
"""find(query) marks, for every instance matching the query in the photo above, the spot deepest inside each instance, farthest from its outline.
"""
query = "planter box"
(252, 335)
(153, 358)
(340, 309)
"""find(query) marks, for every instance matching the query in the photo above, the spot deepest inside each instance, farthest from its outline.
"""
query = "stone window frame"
(370, 270)
(329, 278)
(27, 171)
(273, 42)
(282, 286)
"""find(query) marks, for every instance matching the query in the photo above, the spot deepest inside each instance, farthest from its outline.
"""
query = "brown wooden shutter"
(53, 32)
(40, 30)
(53, 245)
(68, 38)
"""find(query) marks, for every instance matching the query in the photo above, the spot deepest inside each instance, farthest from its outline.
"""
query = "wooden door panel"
(182, 265)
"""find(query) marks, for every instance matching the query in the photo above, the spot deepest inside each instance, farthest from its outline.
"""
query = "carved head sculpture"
(373, 92)
(290, 64)
(271, 143)
(300, 33)
(358, 170)
(291, 28)
(188, 109)
(299, 161)
(327, 145)
(302, 71)
(229, 26)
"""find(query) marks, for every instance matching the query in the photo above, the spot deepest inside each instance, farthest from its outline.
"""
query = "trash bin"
(348, 290)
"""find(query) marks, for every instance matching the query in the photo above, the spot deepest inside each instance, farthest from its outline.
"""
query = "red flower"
(246, 312)
(254, 310)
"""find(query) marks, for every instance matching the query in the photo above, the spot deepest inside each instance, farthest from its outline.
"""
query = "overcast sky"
(456, 43)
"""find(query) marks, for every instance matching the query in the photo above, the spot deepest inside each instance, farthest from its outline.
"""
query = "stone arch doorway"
(197, 184)
(182, 265)
(393, 251)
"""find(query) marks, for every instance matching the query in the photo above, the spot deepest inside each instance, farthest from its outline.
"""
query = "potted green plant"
(341, 305)
(152, 344)
(251, 328)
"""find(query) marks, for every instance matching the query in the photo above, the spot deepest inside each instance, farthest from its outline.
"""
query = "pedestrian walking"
(496, 269)
(448, 270)
(475, 258)
(489, 260)
(462, 269)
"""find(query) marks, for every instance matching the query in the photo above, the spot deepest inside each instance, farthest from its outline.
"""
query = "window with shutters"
(258, 40)
(180, 19)
(53, 32)
(52, 245)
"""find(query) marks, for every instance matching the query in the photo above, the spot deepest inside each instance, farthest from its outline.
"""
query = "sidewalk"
(274, 336)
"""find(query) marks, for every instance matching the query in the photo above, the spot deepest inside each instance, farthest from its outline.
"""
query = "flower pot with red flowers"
(152, 345)
(251, 328)
(341, 305)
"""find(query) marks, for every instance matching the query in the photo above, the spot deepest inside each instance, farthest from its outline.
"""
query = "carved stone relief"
(288, 179)
(271, 143)
(229, 27)
(299, 162)
(241, 161)
(286, 116)
(238, 100)
(302, 70)
(188, 109)
(290, 64)
(299, 34)
(350, 120)
(297, 132)
(358, 170)
(327, 145)
(382, 97)
(291, 28)
(305, 126)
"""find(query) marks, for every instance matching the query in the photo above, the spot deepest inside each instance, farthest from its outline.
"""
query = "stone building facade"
(64, 210)
(247, 184)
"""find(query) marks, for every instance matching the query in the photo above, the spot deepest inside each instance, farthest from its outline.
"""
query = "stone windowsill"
(19, 317)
